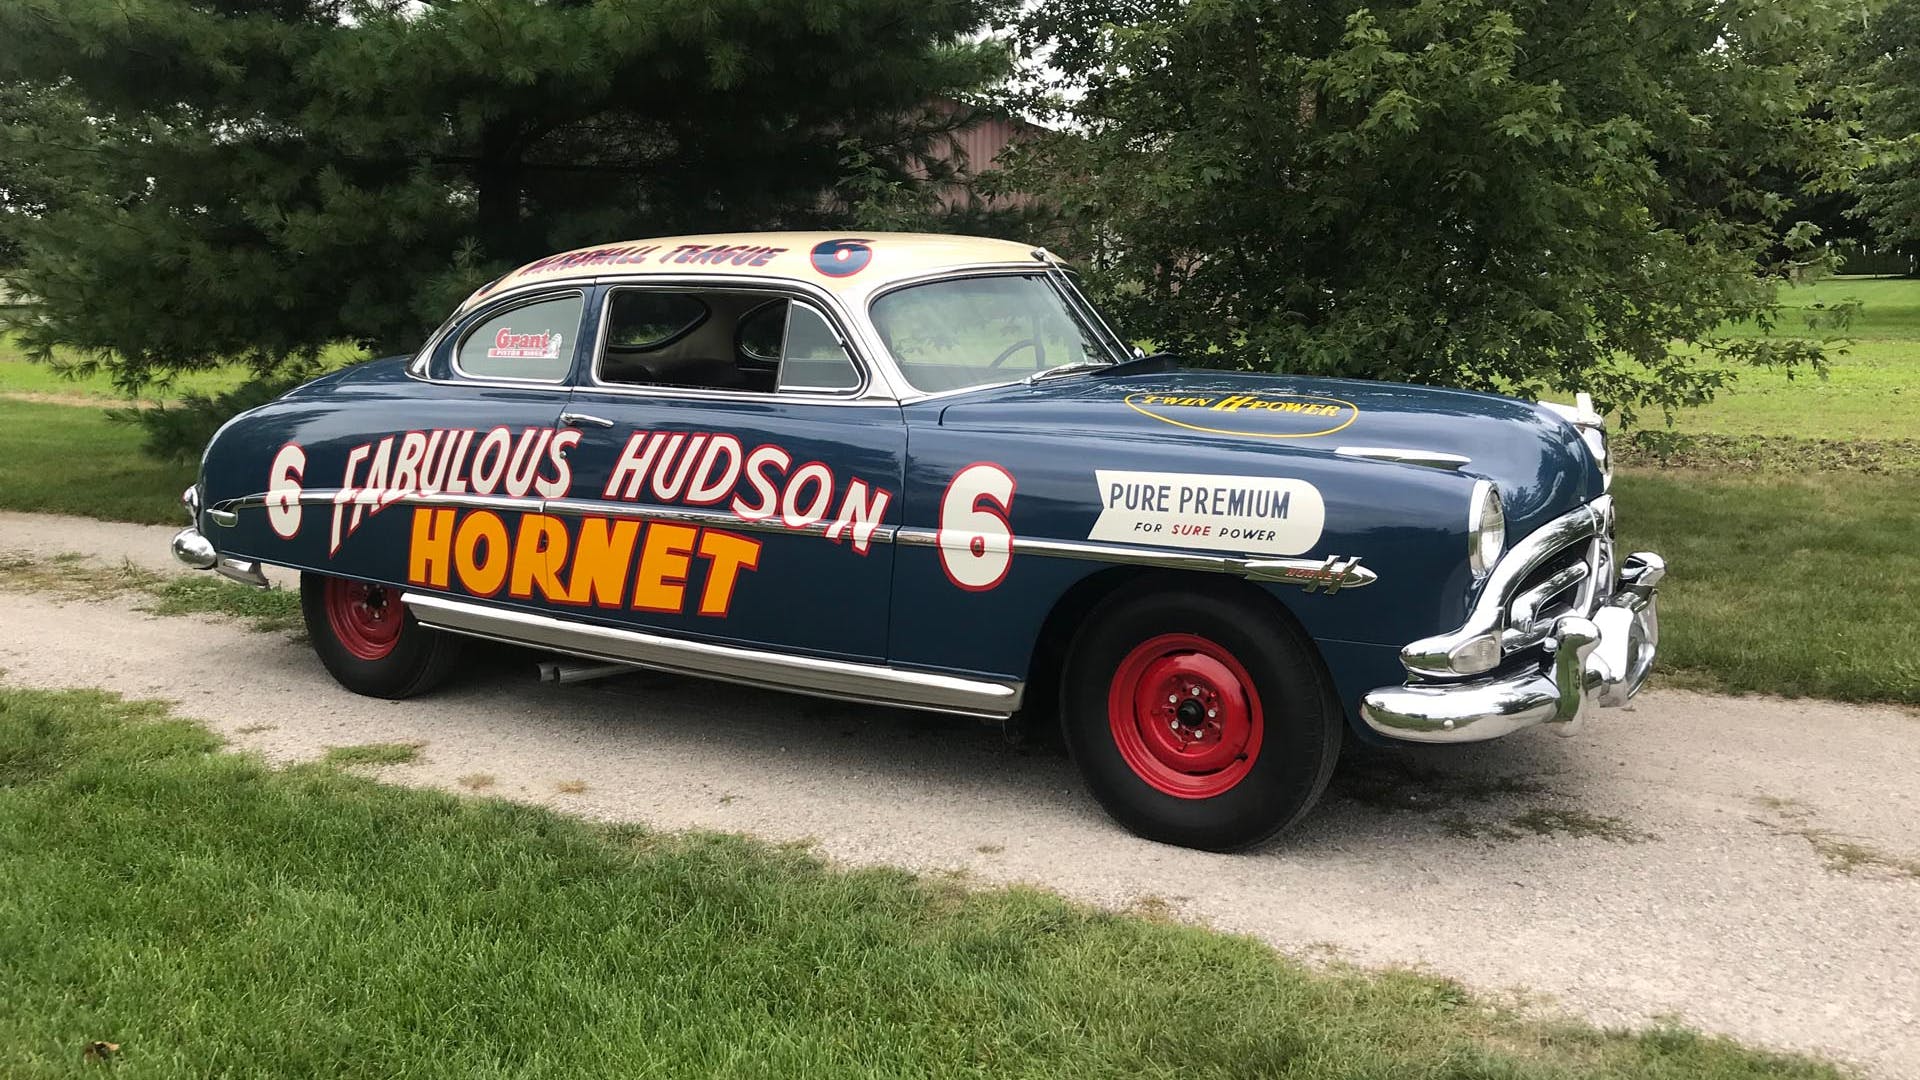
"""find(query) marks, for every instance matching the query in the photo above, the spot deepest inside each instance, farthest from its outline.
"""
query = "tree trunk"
(497, 179)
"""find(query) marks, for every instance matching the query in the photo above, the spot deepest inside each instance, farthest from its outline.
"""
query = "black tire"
(1299, 721)
(411, 658)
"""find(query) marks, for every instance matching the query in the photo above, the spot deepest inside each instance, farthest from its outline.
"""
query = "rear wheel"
(368, 640)
(1199, 716)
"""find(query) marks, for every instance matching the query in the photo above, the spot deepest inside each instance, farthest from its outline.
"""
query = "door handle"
(580, 419)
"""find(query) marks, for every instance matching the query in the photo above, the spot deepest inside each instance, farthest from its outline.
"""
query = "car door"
(735, 477)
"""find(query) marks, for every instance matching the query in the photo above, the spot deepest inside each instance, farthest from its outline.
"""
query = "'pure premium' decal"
(1261, 514)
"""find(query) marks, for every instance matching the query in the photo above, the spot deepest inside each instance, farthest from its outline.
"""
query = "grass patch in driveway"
(373, 754)
(1796, 585)
(266, 610)
(71, 576)
(214, 917)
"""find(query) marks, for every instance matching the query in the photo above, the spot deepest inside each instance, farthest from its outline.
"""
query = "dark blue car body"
(948, 541)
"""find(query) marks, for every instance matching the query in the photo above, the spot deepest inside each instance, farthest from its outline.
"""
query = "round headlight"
(1486, 528)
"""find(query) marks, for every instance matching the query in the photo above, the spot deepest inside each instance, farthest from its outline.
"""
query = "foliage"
(1504, 194)
(223, 181)
(181, 431)
(215, 917)
(1890, 58)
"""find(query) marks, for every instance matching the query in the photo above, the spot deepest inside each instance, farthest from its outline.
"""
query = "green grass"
(66, 460)
(1788, 584)
(213, 917)
(1889, 307)
(1871, 392)
(21, 377)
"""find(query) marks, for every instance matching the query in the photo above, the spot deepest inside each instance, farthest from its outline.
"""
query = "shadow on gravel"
(1523, 787)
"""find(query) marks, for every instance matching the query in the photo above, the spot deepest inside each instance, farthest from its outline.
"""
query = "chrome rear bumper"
(192, 549)
(1598, 661)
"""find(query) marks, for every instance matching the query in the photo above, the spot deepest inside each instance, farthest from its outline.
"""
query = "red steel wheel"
(366, 618)
(1198, 712)
(368, 640)
(1185, 716)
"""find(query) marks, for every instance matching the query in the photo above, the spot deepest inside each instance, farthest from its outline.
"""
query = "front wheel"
(368, 640)
(1199, 716)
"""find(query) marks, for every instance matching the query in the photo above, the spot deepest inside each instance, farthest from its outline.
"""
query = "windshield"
(972, 331)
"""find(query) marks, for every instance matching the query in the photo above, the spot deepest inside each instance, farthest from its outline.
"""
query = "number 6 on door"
(976, 541)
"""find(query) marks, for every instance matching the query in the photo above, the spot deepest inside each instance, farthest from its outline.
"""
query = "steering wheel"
(1039, 352)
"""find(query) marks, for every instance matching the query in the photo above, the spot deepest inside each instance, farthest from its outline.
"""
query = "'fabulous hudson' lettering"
(1260, 514)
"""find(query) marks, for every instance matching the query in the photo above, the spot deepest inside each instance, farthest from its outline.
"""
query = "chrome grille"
(1572, 580)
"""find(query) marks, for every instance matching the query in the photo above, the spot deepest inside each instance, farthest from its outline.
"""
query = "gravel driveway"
(1747, 865)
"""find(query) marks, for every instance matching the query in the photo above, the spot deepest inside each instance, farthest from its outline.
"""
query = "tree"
(214, 180)
(1889, 191)
(1526, 195)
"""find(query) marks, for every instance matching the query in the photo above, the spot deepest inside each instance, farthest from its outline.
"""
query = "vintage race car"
(923, 471)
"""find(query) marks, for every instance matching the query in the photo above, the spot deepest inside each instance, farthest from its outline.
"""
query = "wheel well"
(1041, 703)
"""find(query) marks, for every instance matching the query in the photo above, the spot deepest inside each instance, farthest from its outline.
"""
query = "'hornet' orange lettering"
(607, 563)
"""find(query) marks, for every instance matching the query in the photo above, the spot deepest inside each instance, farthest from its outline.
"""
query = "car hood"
(1536, 457)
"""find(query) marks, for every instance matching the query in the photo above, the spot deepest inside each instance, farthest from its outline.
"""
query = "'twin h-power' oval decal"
(1264, 514)
(1258, 415)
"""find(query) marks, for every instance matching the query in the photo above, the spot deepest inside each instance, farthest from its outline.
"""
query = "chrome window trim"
(466, 377)
(1063, 279)
(781, 289)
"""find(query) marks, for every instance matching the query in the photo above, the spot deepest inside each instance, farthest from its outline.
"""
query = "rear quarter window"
(531, 342)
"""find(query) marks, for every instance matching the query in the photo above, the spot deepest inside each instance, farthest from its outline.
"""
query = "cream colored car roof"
(774, 255)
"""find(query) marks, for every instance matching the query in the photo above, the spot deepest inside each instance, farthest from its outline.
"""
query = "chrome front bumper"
(1598, 661)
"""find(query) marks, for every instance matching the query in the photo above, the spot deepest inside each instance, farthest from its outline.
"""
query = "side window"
(813, 358)
(530, 342)
(718, 340)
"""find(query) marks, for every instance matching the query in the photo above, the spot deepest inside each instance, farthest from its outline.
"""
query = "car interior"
(754, 342)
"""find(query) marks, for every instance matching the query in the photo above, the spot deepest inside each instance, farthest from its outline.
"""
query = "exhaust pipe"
(567, 671)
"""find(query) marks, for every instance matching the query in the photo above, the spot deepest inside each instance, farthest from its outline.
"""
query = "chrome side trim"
(328, 496)
(1332, 573)
(721, 519)
(839, 679)
(1430, 458)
